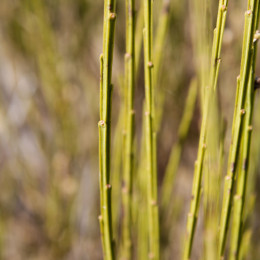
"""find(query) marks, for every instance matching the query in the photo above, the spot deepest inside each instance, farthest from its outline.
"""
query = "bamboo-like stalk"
(153, 216)
(237, 123)
(196, 189)
(129, 127)
(100, 218)
(159, 45)
(248, 246)
(175, 155)
(104, 129)
(239, 198)
(142, 179)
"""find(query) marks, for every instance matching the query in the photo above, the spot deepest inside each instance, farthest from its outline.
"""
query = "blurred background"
(49, 110)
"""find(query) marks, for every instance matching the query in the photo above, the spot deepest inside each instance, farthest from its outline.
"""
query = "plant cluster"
(158, 211)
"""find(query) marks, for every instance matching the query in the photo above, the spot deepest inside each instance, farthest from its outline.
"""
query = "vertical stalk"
(142, 181)
(239, 198)
(214, 70)
(105, 218)
(129, 127)
(239, 116)
(153, 216)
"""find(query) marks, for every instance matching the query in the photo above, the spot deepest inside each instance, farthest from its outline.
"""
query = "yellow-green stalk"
(239, 198)
(238, 119)
(248, 246)
(150, 135)
(104, 125)
(209, 91)
(129, 128)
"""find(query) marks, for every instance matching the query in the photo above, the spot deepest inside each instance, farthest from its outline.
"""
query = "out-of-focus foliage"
(49, 110)
(49, 103)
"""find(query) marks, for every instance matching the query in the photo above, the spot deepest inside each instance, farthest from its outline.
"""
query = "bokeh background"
(49, 110)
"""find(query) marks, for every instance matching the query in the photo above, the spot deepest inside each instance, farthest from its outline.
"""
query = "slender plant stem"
(237, 123)
(142, 180)
(129, 127)
(153, 216)
(104, 124)
(196, 190)
(101, 223)
(239, 198)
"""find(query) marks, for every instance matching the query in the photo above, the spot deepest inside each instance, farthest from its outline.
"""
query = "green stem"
(196, 190)
(104, 129)
(239, 198)
(153, 218)
(129, 127)
(237, 124)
